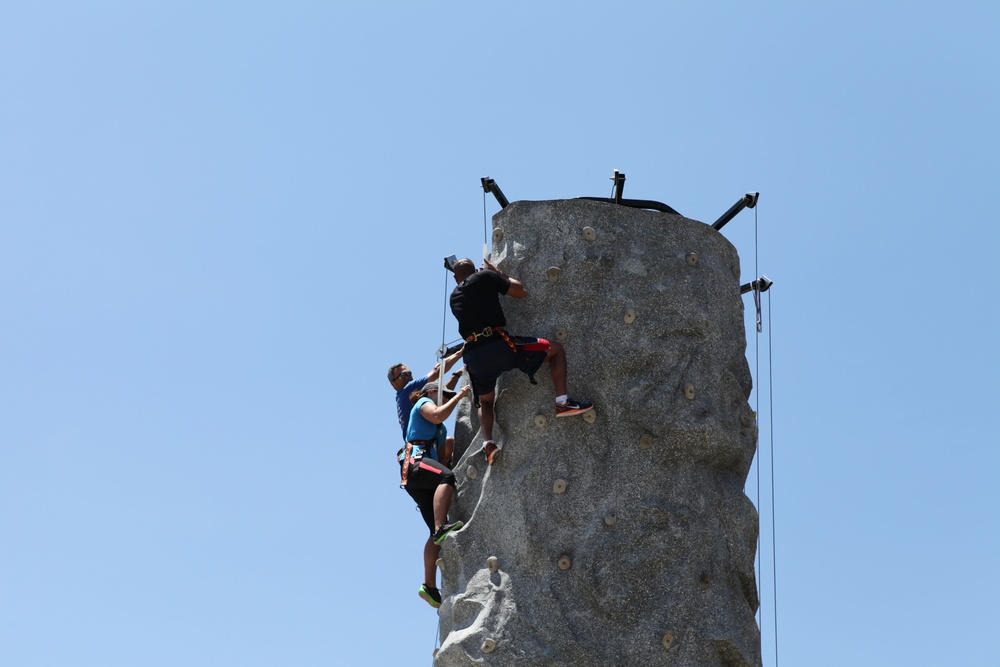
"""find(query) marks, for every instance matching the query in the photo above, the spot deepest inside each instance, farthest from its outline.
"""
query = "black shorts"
(422, 480)
(489, 361)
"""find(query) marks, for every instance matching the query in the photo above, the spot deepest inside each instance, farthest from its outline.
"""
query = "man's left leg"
(565, 406)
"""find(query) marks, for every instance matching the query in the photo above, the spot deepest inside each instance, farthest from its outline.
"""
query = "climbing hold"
(553, 273)
(565, 563)
(590, 417)
(706, 579)
(488, 645)
(668, 639)
(746, 419)
(692, 258)
(493, 564)
(629, 315)
(589, 233)
(540, 421)
(435, 654)
(689, 391)
(646, 441)
(610, 519)
(559, 486)
(497, 235)
(471, 472)
(562, 335)
(440, 564)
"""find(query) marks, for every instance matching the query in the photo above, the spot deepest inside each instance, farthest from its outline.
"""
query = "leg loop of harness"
(409, 459)
(518, 354)
(406, 464)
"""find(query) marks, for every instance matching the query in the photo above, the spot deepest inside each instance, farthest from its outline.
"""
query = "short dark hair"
(464, 267)
(392, 368)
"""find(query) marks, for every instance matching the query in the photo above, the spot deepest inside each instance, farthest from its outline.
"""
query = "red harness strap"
(488, 332)
(510, 343)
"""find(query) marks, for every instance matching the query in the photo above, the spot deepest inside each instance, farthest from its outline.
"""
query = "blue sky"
(221, 222)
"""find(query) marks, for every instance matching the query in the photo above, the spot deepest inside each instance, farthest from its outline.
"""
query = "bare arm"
(436, 414)
(453, 380)
(449, 361)
(516, 289)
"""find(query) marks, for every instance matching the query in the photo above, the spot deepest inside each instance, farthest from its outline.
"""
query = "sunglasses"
(403, 374)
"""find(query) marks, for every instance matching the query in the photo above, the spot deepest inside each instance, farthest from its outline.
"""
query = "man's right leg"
(486, 415)
(557, 367)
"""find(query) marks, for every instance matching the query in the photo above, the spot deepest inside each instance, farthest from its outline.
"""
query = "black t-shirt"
(475, 302)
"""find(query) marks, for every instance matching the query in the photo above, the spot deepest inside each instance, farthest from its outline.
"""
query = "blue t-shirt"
(421, 429)
(403, 401)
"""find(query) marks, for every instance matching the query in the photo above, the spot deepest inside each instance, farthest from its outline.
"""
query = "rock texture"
(625, 540)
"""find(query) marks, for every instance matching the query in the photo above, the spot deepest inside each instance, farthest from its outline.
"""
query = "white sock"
(562, 400)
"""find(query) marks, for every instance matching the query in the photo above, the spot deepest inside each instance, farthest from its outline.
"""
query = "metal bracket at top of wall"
(749, 200)
(489, 185)
(619, 181)
(762, 284)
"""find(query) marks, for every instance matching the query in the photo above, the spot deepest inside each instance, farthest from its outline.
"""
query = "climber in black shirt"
(490, 350)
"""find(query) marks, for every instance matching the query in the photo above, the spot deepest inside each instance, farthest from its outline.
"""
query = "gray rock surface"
(628, 540)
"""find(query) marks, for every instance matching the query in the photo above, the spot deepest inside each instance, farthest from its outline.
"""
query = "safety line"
(484, 218)
(756, 375)
(770, 406)
(442, 351)
(774, 540)
(437, 635)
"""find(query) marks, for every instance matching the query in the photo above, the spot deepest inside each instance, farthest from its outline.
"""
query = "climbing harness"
(487, 333)
(523, 362)
(411, 457)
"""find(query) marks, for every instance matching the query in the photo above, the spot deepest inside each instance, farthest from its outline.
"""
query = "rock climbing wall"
(624, 538)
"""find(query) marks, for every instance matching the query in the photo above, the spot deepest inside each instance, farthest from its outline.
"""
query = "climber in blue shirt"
(425, 473)
(401, 379)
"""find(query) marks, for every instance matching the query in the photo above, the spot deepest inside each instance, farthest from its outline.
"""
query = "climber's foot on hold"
(490, 451)
(571, 407)
(445, 530)
(431, 594)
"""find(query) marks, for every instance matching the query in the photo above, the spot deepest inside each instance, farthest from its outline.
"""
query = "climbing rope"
(774, 541)
(770, 386)
(443, 350)
(756, 409)
(437, 637)
(486, 245)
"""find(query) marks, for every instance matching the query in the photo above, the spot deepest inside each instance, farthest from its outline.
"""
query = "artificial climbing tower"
(624, 538)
